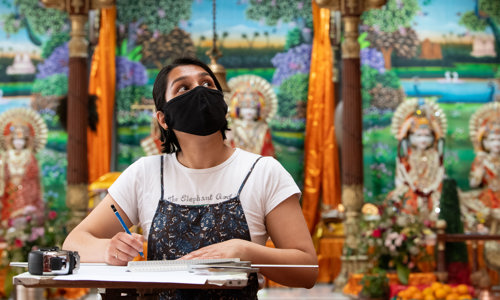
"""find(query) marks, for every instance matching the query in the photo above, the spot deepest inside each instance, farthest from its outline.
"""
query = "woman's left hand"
(235, 248)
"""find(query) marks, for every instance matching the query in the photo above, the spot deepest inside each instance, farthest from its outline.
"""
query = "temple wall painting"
(270, 39)
(443, 50)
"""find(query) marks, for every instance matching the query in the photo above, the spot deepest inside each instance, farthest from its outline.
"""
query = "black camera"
(52, 261)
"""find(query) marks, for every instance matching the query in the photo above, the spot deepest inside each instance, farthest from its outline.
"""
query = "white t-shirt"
(137, 190)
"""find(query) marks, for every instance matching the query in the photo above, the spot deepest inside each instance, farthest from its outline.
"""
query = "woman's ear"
(161, 119)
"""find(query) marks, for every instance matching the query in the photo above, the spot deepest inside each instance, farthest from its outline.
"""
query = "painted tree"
(35, 18)
(160, 51)
(487, 14)
(160, 16)
(274, 11)
(390, 29)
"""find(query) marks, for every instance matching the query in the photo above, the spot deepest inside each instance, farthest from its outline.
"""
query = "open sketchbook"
(198, 266)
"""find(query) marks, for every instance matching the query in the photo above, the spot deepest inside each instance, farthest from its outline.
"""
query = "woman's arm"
(101, 238)
(288, 230)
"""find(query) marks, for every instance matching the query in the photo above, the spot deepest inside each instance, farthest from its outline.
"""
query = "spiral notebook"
(177, 265)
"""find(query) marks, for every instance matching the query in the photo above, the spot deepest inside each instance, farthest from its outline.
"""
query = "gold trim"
(352, 197)
(350, 46)
(78, 45)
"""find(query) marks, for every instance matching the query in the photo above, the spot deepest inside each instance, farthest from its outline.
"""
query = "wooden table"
(115, 282)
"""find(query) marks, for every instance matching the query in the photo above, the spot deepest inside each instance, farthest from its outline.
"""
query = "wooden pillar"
(352, 146)
(77, 115)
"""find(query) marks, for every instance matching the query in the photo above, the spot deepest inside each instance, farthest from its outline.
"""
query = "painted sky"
(230, 17)
(436, 19)
(441, 17)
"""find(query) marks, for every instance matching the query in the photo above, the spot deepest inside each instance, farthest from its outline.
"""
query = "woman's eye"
(207, 84)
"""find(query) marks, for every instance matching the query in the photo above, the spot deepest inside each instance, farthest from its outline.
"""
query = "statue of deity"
(485, 169)
(253, 103)
(419, 125)
(481, 206)
(23, 134)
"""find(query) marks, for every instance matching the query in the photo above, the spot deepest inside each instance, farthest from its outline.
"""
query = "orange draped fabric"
(102, 84)
(321, 157)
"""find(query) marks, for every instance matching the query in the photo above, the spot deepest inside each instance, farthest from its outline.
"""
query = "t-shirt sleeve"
(280, 185)
(127, 188)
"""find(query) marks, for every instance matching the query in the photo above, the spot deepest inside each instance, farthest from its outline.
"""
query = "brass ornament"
(352, 197)
(350, 46)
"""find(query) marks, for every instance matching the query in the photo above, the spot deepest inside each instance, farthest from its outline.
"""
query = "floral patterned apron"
(177, 230)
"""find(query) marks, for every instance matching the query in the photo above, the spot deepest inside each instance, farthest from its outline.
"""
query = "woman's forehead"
(186, 71)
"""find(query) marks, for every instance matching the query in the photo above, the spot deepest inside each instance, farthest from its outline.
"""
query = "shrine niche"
(419, 126)
(253, 104)
(24, 133)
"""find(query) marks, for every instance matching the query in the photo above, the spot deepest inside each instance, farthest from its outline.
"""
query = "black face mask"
(201, 111)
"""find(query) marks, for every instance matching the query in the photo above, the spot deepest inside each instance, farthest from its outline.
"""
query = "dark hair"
(170, 144)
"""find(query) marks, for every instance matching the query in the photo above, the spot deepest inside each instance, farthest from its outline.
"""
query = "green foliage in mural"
(161, 16)
(292, 90)
(36, 19)
(130, 95)
(54, 41)
(370, 77)
(472, 22)
(55, 85)
(132, 55)
(272, 11)
(392, 16)
(487, 15)
(363, 43)
(293, 38)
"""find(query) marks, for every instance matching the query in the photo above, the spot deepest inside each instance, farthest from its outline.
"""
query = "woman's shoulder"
(264, 161)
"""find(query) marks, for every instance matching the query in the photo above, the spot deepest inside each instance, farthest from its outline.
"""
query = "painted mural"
(426, 50)
(443, 50)
(268, 38)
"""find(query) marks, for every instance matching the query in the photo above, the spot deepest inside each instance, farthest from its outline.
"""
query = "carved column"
(352, 145)
(77, 118)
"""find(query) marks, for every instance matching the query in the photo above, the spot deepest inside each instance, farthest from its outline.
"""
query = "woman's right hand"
(122, 248)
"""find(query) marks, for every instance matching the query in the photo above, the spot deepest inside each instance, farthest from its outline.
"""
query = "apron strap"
(249, 172)
(161, 176)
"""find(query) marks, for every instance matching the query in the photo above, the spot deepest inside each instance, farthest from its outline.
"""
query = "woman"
(204, 198)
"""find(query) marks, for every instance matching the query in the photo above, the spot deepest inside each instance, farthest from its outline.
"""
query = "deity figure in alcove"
(485, 170)
(23, 134)
(420, 126)
(252, 103)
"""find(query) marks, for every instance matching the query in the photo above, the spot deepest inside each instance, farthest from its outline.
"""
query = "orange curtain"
(102, 84)
(321, 157)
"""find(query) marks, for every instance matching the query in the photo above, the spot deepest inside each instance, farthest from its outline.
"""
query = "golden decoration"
(411, 108)
(26, 116)
(252, 83)
(486, 114)
(352, 197)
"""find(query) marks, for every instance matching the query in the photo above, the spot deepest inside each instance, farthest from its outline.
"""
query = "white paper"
(102, 272)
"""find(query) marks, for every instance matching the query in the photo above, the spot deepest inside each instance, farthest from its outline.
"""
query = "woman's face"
(184, 78)
(492, 143)
(421, 138)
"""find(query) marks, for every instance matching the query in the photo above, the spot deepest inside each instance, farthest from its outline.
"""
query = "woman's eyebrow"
(200, 75)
